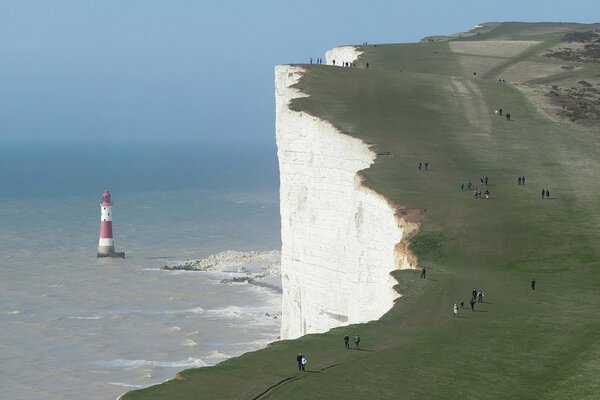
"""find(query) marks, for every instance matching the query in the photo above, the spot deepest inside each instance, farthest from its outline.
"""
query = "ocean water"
(73, 326)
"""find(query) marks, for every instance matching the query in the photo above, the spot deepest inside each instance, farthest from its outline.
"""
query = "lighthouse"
(106, 245)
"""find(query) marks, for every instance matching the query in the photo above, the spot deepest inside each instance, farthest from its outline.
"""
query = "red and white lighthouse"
(106, 245)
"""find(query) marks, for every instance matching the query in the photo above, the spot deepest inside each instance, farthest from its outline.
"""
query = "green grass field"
(421, 102)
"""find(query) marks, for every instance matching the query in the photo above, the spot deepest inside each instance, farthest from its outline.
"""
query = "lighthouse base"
(114, 254)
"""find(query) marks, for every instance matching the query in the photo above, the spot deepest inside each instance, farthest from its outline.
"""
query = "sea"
(73, 326)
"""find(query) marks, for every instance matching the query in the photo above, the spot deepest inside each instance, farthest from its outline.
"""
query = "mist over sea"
(73, 326)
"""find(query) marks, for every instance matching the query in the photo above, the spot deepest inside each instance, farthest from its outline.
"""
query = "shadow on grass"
(369, 350)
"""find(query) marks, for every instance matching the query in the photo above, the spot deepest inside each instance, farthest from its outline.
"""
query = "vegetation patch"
(589, 53)
(579, 103)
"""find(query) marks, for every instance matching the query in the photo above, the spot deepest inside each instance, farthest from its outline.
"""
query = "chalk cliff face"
(341, 55)
(340, 239)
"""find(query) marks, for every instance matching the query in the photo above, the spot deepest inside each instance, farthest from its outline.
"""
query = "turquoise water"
(73, 326)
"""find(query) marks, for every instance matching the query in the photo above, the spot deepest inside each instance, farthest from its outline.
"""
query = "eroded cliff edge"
(340, 239)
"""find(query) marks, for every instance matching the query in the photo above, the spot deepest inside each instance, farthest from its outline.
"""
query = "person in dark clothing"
(480, 297)
(420, 165)
(500, 112)
(543, 194)
(519, 180)
(299, 359)
(462, 186)
(474, 293)
(469, 185)
(523, 180)
(347, 341)
(472, 303)
(486, 180)
(423, 272)
(356, 342)
(462, 304)
(547, 194)
(426, 165)
(508, 116)
(533, 284)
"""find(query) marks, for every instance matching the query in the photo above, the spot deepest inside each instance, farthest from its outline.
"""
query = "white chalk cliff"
(340, 239)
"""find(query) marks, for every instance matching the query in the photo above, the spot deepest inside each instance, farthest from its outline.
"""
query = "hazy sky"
(174, 70)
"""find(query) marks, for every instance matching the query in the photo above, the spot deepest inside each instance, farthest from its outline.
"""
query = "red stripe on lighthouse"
(106, 230)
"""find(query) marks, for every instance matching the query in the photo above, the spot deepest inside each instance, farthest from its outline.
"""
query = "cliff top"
(437, 101)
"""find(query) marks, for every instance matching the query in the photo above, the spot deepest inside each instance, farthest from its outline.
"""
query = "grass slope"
(418, 103)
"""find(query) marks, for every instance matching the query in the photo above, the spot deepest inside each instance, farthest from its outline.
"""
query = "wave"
(226, 312)
(195, 310)
(125, 384)
(95, 317)
(119, 363)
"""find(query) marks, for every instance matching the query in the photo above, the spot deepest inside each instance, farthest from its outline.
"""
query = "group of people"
(545, 194)
(356, 341)
(344, 64)
(462, 185)
(477, 194)
(499, 112)
(423, 166)
(302, 360)
(476, 297)
(521, 180)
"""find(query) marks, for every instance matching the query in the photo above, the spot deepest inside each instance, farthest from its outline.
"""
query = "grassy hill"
(423, 102)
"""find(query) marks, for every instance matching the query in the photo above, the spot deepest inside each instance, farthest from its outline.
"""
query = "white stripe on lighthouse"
(106, 242)
(106, 213)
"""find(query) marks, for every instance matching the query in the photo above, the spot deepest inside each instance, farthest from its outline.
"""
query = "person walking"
(480, 297)
(519, 180)
(455, 310)
(347, 341)
(423, 273)
(299, 360)
(543, 194)
(472, 303)
(474, 293)
(462, 303)
(356, 342)
(485, 180)
(426, 165)
(420, 165)
(547, 194)
(533, 284)
(523, 180)
(469, 185)
(462, 186)
(303, 363)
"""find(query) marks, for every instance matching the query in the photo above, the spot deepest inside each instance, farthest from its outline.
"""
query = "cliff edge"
(339, 238)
